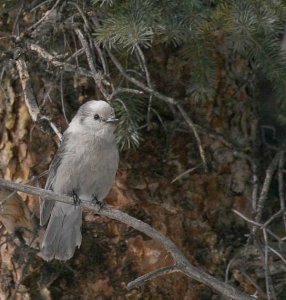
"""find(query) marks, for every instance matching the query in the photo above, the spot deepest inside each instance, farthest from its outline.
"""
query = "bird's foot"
(76, 199)
(95, 201)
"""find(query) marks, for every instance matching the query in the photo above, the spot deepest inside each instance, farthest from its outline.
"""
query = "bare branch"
(81, 13)
(278, 254)
(55, 62)
(39, 5)
(53, 126)
(75, 54)
(147, 74)
(266, 185)
(101, 56)
(16, 22)
(268, 281)
(281, 186)
(97, 76)
(29, 97)
(45, 17)
(257, 225)
(266, 271)
(246, 219)
(273, 217)
(62, 99)
(255, 186)
(189, 121)
(145, 88)
(125, 90)
(182, 262)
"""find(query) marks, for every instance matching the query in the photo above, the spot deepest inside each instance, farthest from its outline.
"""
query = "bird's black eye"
(96, 117)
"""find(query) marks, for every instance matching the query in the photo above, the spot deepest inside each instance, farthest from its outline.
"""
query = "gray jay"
(84, 166)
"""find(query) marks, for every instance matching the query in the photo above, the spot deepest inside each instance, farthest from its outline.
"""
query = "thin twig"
(160, 119)
(75, 54)
(217, 136)
(266, 185)
(281, 186)
(258, 288)
(276, 237)
(189, 121)
(17, 18)
(159, 272)
(256, 224)
(147, 74)
(246, 219)
(266, 265)
(101, 57)
(184, 173)
(97, 76)
(255, 186)
(76, 48)
(62, 100)
(268, 281)
(272, 218)
(278, 254)
(46, 96)
(226, 275)
(181, 261)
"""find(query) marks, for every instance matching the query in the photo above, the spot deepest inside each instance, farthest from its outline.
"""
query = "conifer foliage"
(206, 32)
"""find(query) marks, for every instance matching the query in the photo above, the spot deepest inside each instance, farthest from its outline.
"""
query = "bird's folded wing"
(46, 206)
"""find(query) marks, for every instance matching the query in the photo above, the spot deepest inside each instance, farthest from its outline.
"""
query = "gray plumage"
(85, 163)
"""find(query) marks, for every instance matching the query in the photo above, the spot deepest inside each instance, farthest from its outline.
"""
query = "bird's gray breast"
(87, 168)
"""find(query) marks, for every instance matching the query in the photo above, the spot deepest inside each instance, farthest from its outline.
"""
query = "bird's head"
(95, 116)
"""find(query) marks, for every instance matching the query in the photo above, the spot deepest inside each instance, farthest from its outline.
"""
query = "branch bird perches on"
(181, 263)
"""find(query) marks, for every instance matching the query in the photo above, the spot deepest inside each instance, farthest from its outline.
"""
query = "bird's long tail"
(63, 234)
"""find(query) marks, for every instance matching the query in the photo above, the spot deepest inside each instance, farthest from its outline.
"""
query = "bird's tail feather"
(63, 234)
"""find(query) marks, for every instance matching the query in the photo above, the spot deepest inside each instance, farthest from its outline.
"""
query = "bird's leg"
(97, 202)
(76, 199)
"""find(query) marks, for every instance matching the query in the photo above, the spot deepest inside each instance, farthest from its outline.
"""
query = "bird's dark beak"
(112, 120)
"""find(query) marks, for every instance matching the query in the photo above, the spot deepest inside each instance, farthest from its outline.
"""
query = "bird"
(84, 166)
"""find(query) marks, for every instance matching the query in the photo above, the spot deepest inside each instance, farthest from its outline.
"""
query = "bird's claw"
(95, 201)
(76, 199)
